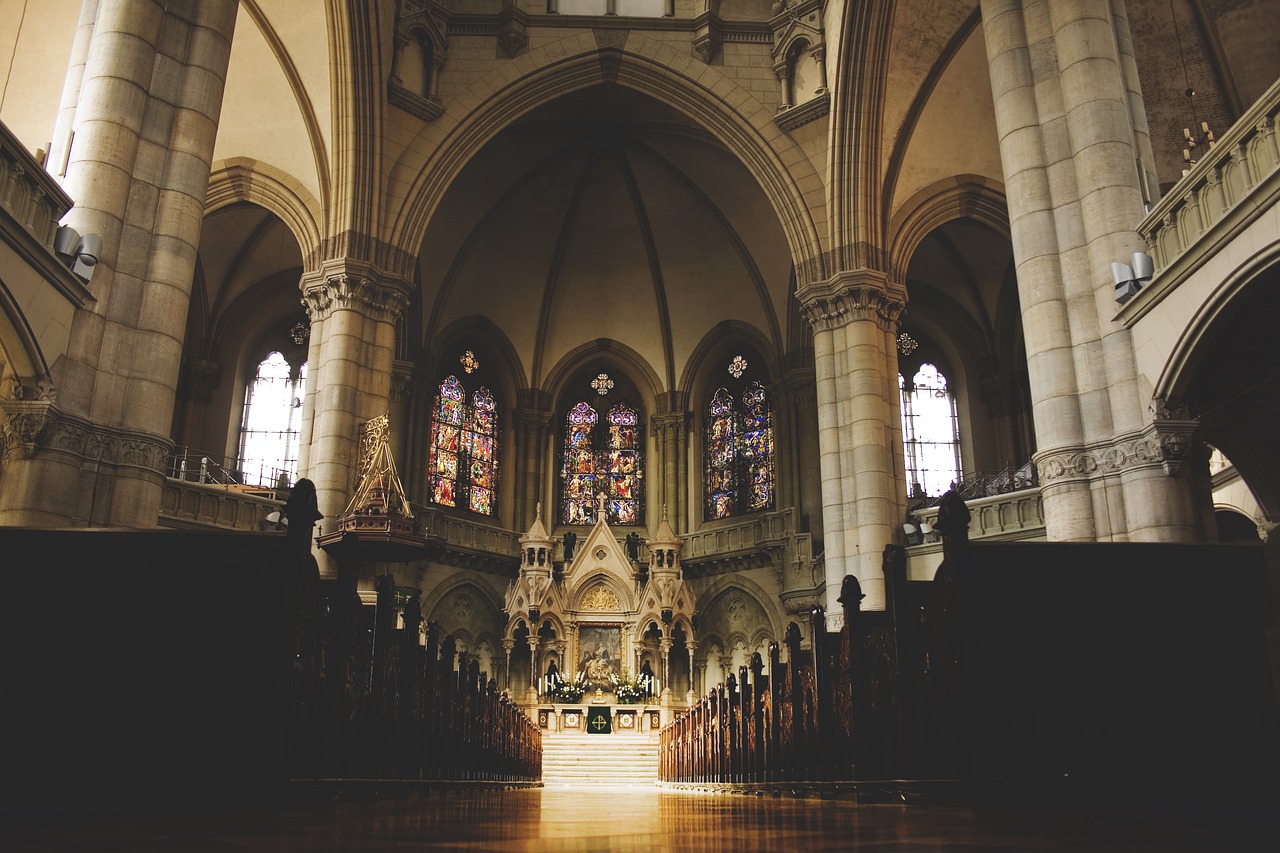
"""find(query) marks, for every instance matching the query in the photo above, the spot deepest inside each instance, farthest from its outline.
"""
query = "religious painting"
(599, 655)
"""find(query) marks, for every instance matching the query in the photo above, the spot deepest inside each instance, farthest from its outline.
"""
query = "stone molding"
(849, 297)
(791, 118)
(1167, 443)
(33, 426)
(350, 292)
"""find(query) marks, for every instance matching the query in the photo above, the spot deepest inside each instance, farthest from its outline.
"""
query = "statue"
(633, 545)
(570, 542)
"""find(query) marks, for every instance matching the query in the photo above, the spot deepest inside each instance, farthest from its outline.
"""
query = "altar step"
(614, 759)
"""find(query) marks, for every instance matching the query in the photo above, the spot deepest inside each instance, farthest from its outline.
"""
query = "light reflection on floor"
(615, 819)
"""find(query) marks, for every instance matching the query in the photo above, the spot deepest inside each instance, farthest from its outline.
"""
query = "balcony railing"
(1235, 182)
(186, 504)
(1008, 515)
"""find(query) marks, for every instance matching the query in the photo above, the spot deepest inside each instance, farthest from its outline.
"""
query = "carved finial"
(539, 511)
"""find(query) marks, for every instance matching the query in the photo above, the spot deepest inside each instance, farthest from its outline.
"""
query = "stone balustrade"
(767, 538)
(1013, 515)
(27, 192)
(1231, 184)
(188, 505)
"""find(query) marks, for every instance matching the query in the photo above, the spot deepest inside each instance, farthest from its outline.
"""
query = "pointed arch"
(241, 179)
(732, 114)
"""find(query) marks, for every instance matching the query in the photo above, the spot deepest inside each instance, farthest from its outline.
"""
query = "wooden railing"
(370, 701)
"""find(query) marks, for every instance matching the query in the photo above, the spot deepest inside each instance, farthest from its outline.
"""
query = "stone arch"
(609, 351)
(242, 179)
(486, 330)
(1179, 368)
(626, 603)
(709, 598)
(20, 354)
(723, 336)
(453, 584)
(645, 64)
(959, 197)
(1222, 344)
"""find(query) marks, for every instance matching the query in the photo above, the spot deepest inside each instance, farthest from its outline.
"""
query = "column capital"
(351, 286)
(850, 296)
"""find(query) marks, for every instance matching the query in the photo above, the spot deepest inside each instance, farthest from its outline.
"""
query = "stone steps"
(613, 759)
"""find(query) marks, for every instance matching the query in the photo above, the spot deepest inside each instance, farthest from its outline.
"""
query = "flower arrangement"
(627, 689)
(568, 691)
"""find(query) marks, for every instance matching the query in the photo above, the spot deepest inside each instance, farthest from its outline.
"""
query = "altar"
(598, 719)
(598, 627)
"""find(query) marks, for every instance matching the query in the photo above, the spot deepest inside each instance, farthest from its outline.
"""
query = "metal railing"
(199, 466)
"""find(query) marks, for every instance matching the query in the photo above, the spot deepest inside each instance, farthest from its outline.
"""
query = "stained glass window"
(463, 458)
(739, 453)
(930, 432)
(603, 458)
(271, 421)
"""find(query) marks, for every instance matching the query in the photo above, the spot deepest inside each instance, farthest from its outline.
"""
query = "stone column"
(853, 317)
(533, 421)
(508, 646)
(1076, 160)
(136, 130)
(669, 432)
(353, 310)
(692, 692)
(403, 379)
(533, 667)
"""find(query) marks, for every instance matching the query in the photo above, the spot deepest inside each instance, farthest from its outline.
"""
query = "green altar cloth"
(598, 721)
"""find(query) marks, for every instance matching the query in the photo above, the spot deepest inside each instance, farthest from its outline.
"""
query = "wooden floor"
(603, 818)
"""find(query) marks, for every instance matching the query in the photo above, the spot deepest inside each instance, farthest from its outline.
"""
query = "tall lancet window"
(602, 456)
(739, 475)
(463, 458)
(930, 432)
(270, 423)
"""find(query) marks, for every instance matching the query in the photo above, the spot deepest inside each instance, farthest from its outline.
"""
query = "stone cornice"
(34, 427)
(850, 296)
(353, 290)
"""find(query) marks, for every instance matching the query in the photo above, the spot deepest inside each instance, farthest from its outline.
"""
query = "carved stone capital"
(860, 295)
(513, 37)
(708, 35)
(670, 424)
(199, 378)
(404, 379)
(27, 421)
(1173, 432)
(352, 292)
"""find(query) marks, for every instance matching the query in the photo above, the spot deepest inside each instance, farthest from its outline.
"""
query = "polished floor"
(602, 818)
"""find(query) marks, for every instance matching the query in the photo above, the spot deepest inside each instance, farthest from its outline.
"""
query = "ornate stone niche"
(799, 57)
(421, 47)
